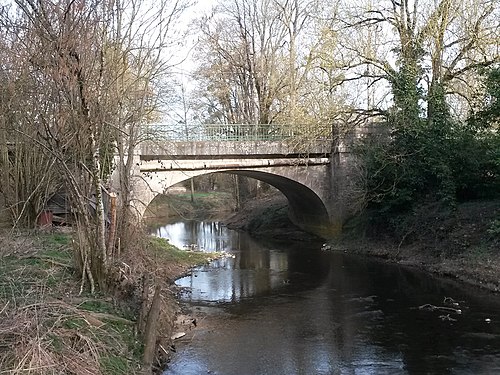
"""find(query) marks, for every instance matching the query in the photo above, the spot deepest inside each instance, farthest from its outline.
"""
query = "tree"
(423, 51)
(253, 67)
(85, 73)
(27, 177)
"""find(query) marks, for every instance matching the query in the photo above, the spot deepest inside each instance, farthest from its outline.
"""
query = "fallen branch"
(110, 317)
(4, 308)
(430, 307)
(47, 259)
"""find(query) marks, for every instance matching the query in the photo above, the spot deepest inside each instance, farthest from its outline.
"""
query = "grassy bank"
(48, 325)
(202, 205)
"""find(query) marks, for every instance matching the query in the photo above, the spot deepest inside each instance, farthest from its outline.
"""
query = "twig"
(47, 259)
(402, 240)
(5, 307)
(110, 317)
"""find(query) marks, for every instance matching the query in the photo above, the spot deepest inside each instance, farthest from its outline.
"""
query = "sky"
(197, 10)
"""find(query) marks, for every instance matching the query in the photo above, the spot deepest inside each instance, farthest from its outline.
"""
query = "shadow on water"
(292, 309)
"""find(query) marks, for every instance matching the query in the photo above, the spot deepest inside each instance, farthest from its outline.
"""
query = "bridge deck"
(225, 164)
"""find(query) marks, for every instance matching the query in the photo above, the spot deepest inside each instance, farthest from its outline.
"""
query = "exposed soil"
(463, 243)
(267, 217)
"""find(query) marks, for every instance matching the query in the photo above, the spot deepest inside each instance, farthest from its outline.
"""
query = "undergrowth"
(204, 204)
(48, 328)
(45, 326)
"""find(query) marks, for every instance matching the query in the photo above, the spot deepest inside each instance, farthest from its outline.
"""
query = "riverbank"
(267, 217)
(462, 244)
(202, 205)
(50, 324)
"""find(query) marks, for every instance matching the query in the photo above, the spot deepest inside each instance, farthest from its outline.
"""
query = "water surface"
(293, 309)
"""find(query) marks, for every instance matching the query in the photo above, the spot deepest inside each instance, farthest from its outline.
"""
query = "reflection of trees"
(347, 316)
(256, 270)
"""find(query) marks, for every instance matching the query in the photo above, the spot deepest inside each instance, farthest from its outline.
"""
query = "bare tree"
(428, 47)
(28, 178)
(253, 60)
(85, 74)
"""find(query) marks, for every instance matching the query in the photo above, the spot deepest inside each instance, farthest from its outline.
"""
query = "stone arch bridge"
(313, 182)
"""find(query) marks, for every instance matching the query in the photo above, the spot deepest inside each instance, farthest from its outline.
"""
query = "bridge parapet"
(260, 149)
(236, 132)
(214, 140)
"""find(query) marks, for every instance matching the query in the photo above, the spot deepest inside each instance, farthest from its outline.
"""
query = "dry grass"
(161, 262)
(45, 328)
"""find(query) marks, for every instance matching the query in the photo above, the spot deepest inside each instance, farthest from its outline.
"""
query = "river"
(290, 308)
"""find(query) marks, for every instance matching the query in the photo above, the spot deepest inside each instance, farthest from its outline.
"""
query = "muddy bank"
(267, 217)
(475, 269)
(462, 243)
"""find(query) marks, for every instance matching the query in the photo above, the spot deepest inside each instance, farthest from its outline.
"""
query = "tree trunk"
(4, 163)
(100, 221)
(151, 331)
(192, 190)
(112, 225)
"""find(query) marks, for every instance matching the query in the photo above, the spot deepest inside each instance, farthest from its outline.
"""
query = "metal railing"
(235, 132)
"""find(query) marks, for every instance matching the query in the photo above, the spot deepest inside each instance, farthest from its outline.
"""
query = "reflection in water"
(301, 311)
(254, 271)
(229, 280)
(207, 236)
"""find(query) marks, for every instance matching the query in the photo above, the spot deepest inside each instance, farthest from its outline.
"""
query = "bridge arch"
(307, 180)
(306, 206)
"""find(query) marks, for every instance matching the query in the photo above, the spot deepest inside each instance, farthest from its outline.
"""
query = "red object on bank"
(45, 219)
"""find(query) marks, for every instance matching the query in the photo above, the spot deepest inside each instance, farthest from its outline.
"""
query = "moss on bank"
(165, 252)
(48, 327)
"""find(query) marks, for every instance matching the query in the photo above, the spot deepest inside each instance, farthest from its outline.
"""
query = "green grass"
(56, 343)
(165, 251)
(97, 305)
(56, 246)
(114, 365)
(57, 239)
